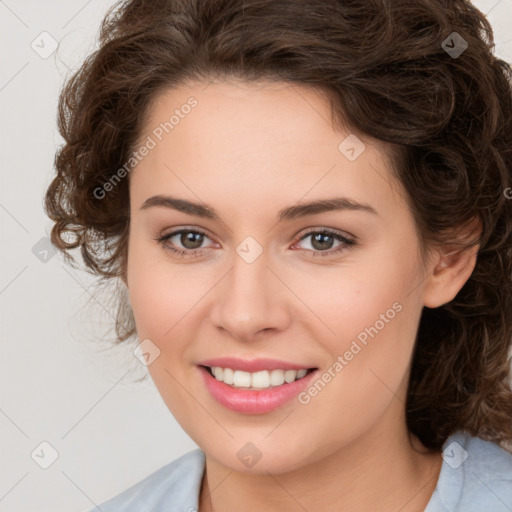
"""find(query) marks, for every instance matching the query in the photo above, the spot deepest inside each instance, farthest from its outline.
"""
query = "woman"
(306, 202)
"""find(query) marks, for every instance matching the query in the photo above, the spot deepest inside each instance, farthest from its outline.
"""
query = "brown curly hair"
(387, 72)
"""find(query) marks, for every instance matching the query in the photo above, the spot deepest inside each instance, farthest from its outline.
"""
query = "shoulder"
(172, 488)
(475, 475)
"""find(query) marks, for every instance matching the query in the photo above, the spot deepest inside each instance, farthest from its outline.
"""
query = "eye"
(190, 239)
(322, 240)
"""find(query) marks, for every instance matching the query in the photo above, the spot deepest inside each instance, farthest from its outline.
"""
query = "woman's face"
(263, 282)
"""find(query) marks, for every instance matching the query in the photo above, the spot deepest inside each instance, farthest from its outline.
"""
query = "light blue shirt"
(476, 476)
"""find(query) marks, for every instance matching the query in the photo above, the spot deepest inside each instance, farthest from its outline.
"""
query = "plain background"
(57, 386)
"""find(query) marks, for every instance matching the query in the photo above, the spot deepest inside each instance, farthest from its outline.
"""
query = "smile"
(257, 380)
(254, 392)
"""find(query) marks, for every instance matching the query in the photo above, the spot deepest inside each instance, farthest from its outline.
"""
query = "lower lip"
(254, 401)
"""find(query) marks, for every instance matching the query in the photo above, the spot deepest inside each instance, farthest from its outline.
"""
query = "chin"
(254, 458)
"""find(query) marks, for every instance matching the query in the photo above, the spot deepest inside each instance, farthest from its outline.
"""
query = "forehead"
(249, 139)
(232, 113)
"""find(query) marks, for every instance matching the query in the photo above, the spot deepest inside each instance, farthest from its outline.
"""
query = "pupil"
(195, 239)
(317, 239)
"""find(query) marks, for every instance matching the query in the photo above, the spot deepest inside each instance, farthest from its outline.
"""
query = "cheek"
(162, 297)
(160, 293)
(366, 299)
(372, 314)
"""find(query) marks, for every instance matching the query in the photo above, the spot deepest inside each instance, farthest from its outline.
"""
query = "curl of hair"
(385, 72)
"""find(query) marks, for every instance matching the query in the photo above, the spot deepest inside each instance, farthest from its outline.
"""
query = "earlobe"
(449, 274)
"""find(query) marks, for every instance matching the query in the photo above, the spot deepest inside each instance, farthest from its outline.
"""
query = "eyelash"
(196, 253)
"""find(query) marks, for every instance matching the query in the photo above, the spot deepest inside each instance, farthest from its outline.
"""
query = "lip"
(248, 401)
(254, 365)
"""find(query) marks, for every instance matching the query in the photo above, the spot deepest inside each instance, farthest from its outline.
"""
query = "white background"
(56, 384)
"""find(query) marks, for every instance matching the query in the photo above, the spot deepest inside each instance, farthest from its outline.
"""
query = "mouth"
(255, 392)
(255, 381)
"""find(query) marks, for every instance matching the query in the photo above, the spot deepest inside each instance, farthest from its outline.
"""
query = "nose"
(251, 299)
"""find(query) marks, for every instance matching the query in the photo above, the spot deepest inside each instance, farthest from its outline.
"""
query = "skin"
(249, 150)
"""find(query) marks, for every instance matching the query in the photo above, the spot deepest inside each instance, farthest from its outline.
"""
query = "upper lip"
(253, 365)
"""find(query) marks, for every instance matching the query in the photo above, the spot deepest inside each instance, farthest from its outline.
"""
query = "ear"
(450, 267)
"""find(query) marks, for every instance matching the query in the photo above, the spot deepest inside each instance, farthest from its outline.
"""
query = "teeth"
(277, 377)
(257, 380)
(301, 373)
(241, 379)
(228, 376)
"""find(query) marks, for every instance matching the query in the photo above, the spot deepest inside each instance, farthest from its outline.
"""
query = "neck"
(375, 472)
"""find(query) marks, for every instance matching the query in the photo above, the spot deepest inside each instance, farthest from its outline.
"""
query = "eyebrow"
(286, 214)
